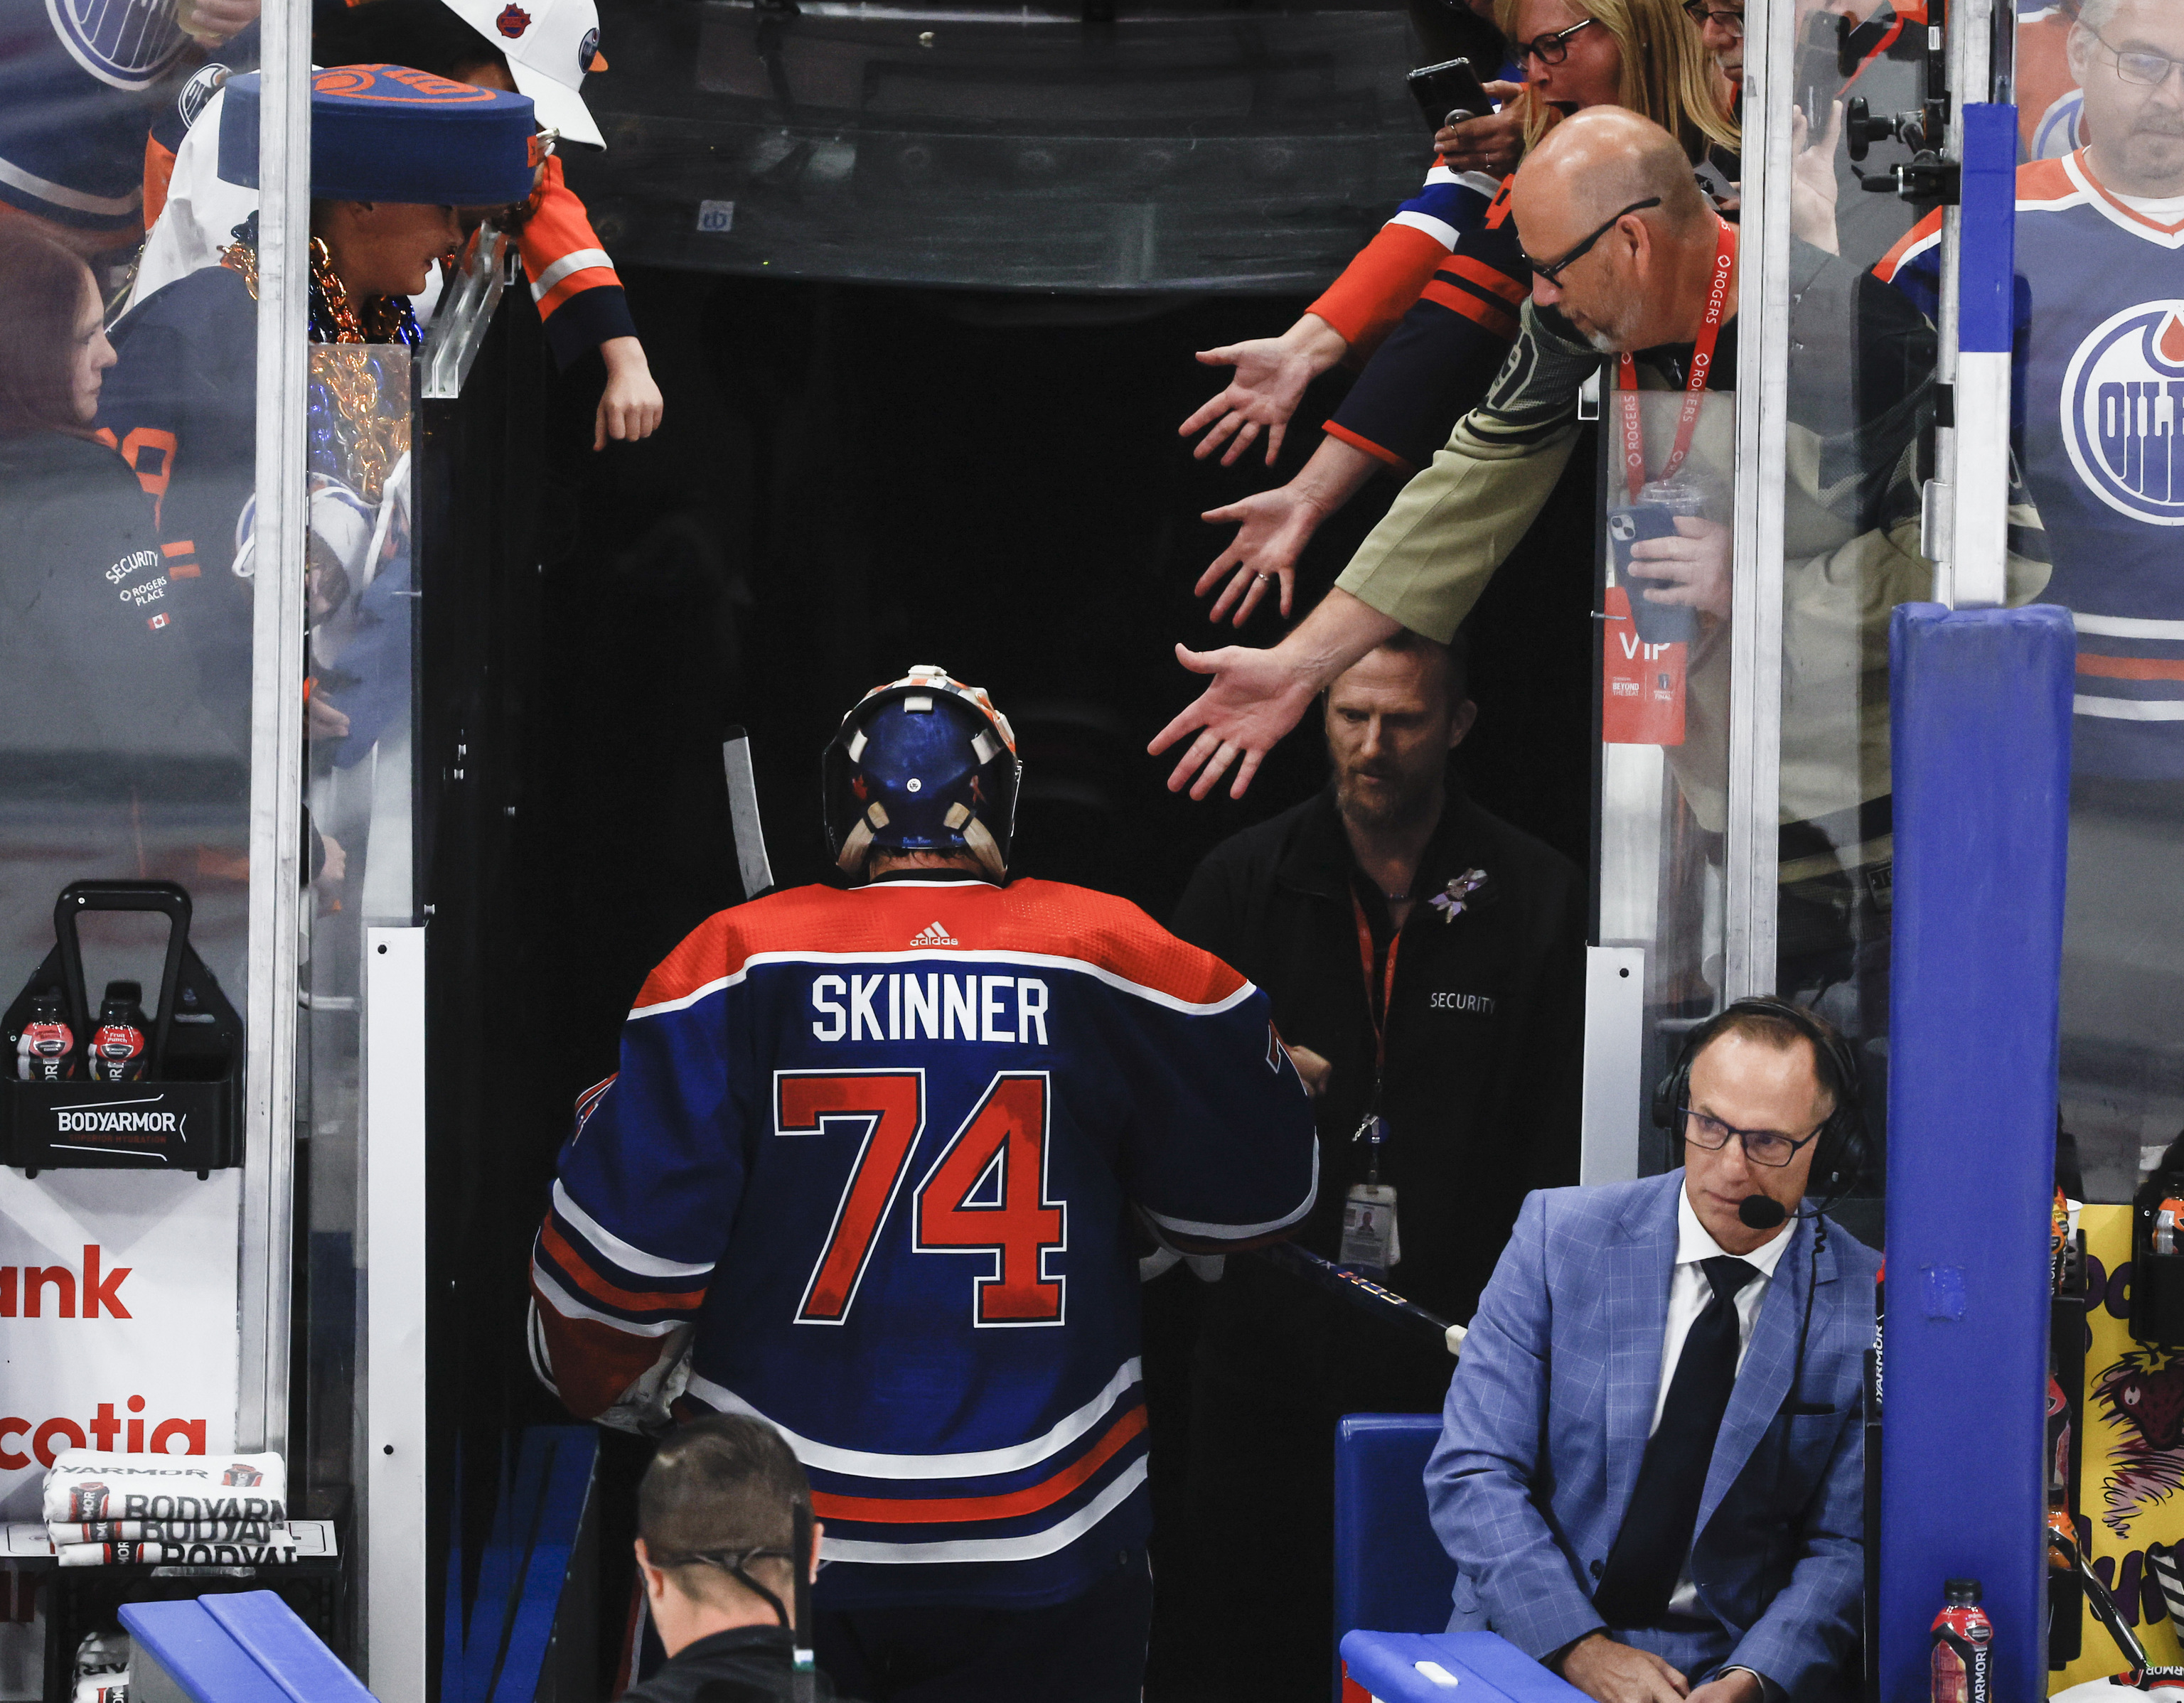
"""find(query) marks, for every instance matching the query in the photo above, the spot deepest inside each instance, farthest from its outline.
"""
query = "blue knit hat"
(388, 133)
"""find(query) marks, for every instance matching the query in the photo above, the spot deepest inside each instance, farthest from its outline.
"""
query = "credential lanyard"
(1687, 423)
(1373, 1129)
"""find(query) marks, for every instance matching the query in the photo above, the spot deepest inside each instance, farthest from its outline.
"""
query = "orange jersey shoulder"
(1047, 919)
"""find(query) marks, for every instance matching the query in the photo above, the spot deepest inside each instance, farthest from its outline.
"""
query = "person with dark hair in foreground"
(716, 1551)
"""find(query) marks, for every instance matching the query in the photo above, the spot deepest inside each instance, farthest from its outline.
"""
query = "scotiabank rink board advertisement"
(117, 1297)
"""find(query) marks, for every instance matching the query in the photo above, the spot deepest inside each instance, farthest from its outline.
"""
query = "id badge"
(1369, 1241)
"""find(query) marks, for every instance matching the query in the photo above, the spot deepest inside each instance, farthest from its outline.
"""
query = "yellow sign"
(2129, 1456)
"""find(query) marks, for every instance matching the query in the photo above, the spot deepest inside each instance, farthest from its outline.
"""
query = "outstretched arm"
(1257, 696)
(1273, 528)
(1270, 380)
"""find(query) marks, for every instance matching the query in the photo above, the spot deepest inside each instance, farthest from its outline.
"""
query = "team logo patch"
(399, 84)
(2123, 412)
(587, 51)
(127, 45)
(513, 21)
(204, 82)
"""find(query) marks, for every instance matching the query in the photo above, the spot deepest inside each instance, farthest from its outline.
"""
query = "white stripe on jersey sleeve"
(626, 1255)
(1440, 230)
(570, 1307)
(1028, 1547)
(582, 260)
(2130, 709)
(2126, 626)
(975, 1464)
(1242, 1232)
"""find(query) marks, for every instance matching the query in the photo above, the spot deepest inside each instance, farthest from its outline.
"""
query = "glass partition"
(2100, 352)
(147, 804)
(359, 793)
(126, 454)
(1665, 706)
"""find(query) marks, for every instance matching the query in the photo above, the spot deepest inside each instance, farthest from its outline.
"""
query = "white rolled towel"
(83, 1485)
(115, 1555)
(164, 1531)
(278, 1552)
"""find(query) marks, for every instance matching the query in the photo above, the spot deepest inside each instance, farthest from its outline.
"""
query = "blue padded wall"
(1981, 720)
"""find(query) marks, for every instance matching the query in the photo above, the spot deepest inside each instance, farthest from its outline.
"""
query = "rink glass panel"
(1664, 690)
(359, 789)
(1859, 386)
(2122, 1054)
(126, 713)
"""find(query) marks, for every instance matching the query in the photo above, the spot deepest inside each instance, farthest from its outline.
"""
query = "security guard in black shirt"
(1425, 960)
(716, 1515)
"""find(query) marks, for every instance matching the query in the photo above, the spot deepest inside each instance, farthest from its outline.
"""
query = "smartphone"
(1448, 92)
(1656, 623)
(1819, 71)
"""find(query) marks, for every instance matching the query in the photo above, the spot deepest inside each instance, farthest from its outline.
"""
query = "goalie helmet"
(923, 763)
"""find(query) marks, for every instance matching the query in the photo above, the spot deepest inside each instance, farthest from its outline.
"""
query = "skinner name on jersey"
(906, 1006)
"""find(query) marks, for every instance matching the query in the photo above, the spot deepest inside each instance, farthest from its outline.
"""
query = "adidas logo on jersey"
(932, 934)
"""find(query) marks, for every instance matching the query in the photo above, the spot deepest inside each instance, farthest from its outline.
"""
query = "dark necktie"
(1655, 1538)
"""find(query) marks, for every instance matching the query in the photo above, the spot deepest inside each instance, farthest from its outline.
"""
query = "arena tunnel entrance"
(851, 479)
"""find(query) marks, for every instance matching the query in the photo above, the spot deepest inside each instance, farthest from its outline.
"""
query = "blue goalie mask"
(923, 763)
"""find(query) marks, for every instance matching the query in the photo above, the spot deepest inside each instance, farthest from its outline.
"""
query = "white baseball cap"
(548, 45)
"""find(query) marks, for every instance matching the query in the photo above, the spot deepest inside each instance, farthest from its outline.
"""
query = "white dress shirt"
(1689, 1293)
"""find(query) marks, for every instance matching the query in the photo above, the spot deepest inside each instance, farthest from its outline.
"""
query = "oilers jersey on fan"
(879, 1148)
(2099, 434)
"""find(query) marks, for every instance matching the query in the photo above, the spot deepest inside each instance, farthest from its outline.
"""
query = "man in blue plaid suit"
(1641, 1485)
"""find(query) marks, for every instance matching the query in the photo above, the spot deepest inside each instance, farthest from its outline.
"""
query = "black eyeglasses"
(1702, 14)
(1550, 49)
(1767, 1147)
(2149, 71)
(1552, 270)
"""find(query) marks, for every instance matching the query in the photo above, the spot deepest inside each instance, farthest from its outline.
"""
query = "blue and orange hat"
(389, 133)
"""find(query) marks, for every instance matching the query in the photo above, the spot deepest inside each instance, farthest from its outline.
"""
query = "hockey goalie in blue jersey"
(872, 1154)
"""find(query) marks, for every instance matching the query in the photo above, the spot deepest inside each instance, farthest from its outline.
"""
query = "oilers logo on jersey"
(127, 45)
(2123, 412)
(2099, 436)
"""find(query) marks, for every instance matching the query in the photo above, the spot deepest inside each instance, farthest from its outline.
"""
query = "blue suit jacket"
(1545, 1425)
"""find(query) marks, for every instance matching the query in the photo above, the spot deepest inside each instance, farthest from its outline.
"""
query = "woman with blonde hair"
(1436, 363)
(1663, 69)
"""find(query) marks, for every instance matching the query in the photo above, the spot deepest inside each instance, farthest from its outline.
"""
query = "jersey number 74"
(986, 1194)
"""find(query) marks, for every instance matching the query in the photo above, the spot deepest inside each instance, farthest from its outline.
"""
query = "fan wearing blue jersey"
(869, 1171)
(2099, 428)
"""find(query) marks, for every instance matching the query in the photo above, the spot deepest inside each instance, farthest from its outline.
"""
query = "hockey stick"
(743, 814)
(1361, 1292)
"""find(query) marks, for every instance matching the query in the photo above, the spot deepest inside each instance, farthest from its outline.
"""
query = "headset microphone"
(1761, 1212)
(1841, 1156)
